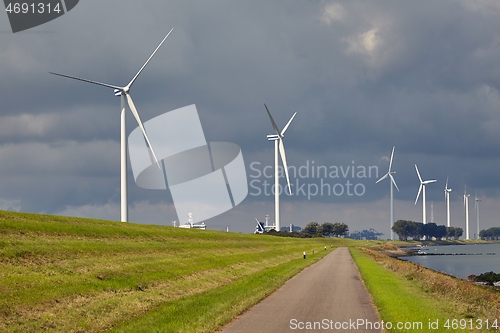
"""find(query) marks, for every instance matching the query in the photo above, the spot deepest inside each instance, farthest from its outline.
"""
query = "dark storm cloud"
(363, 76)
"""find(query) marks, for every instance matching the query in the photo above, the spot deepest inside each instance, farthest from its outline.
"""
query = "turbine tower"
(126, 99)
(423, 183)
(466, 206)
(432, 211)
(447, 199)
(278, 145)
(477, 213)
(393, 183)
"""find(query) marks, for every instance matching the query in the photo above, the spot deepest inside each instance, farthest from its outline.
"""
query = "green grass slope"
(415, 299)
(64, 274)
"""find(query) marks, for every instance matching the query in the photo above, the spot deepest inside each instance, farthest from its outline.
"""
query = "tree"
(454, 232)
(340, 229)
(492, 233)
(429, 230)
(490, 277)
(440, 232)
(404, 229)
(327, 229)
(418, 232)
(312, 228)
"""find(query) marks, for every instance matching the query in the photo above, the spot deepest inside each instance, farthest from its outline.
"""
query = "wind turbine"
(126, 99)
(393, 182)
(447, 199)
(477, 212)
(278, 145)
(466, 205)
(422, 186)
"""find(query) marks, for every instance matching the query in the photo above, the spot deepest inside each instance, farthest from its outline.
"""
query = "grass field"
(409, 294)
(63, 274)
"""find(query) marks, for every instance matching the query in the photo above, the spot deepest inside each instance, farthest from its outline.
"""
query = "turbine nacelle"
(422, 184)
(279, 136)
(446, 189)
(466, 202)
(390, 173)
(466, 197)
(124, 92)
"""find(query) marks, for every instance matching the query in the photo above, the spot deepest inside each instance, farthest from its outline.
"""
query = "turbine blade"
(88, 81)
(394, 181)
(392, 155)
(418, 194)
(139, 122)
(283, 158)
(272, 121)
(382, 178)
(446, 187)
(429, 181)
(287, 124)
(418, 173)
(150, 57)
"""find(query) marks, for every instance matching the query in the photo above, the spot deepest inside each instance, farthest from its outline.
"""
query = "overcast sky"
(364, 76)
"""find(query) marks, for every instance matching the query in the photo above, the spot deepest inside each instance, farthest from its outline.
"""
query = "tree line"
(417, 230)
(326, 229)
(314, 229)
(491, 233)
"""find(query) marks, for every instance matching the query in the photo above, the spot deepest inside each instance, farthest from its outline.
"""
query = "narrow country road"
(328, 296)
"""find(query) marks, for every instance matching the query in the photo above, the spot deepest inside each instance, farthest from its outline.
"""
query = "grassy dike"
(408, 293)
(63, 274)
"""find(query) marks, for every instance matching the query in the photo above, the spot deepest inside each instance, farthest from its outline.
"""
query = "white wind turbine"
(477, 213)
(393, 182)
(466, 206)
(422, 186)
(126, 99)
(447, 199)
(278, 145)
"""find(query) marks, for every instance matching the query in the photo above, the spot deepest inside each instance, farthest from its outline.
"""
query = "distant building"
(194, 225)
(291, 228)
(371, 234)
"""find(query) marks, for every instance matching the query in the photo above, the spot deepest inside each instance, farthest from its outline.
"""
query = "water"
(477, 259)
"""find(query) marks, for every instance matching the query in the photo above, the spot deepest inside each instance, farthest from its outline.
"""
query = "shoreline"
(412, 251)
(413, 289)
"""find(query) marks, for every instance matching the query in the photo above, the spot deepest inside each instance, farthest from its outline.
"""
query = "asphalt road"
(329, 293)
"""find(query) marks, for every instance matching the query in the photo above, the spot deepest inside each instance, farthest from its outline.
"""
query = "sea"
(460, 260)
